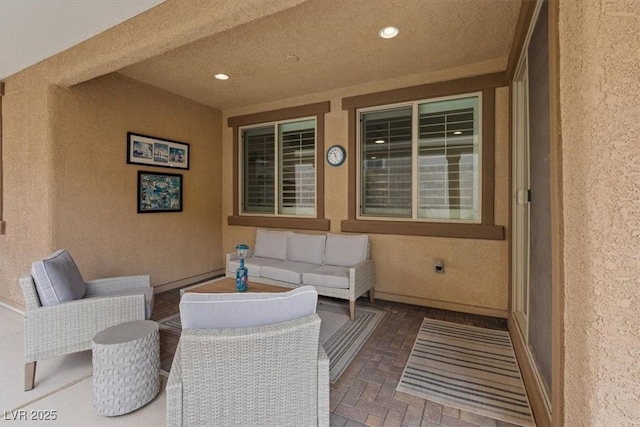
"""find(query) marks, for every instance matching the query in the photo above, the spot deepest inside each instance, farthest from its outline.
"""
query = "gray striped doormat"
(468, 368)
(344, 343)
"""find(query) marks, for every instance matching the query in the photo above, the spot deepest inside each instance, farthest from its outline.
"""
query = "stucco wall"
(68, 184)
(96, 191)
(600, 106)
(27, 171)
(32, 149)
(476, 270)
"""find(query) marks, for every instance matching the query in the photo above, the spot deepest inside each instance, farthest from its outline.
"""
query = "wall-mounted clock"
(336, 155)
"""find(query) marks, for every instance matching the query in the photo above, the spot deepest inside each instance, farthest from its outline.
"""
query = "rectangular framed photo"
(159, 192)
(152, 151)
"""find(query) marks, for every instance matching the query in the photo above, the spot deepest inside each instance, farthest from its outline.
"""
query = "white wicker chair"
(273, 375)
(69, 327)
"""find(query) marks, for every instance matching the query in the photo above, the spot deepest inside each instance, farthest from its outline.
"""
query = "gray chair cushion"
(243, 310)
(307, 248)
(346, 250)
(331, 276)
(58, 279)
(287, 271)
(271, 244)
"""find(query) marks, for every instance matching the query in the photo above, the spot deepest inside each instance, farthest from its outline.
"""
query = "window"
(424, 160)
(286, 150)
(421, 161)
(279, 168)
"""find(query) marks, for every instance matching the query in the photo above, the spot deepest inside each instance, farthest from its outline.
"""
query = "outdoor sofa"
(337, 265)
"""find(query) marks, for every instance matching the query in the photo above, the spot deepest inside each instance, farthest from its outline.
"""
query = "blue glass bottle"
(242, 273)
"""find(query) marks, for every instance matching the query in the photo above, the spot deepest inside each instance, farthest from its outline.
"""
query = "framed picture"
(159, 192)
(152, 151)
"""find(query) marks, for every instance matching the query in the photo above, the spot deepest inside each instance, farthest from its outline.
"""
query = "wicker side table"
(126, 367)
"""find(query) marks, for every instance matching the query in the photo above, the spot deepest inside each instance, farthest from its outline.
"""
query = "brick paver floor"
(365, 394)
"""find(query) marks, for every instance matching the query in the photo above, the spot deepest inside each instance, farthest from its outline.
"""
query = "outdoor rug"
(468, 368)
(340, 337)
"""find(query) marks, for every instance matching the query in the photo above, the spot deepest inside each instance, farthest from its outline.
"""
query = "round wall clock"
(336, 155)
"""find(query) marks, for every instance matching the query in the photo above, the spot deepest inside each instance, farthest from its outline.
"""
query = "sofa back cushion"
(307, 248)
(271, 244)
(58, 279)
(244, 310)
(346, 250)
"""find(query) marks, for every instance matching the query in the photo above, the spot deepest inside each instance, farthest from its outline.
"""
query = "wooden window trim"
(319, 222)
(486, 229)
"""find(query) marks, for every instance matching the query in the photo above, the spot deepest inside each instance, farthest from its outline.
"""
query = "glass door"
(521, 198)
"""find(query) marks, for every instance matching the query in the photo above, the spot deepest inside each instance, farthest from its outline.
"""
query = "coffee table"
(228, 285)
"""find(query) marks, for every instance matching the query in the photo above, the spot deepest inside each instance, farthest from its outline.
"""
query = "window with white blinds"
(386, 163)
(286, 150)
(421, 160)
(258, 168)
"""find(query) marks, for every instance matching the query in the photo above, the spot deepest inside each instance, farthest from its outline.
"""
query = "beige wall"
(476, 278)
(600, 132)
(600, 107)
(68, 184)
(27, 173)
(38, 133)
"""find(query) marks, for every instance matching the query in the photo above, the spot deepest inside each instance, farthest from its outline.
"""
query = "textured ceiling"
(32, 30)
(336, 45)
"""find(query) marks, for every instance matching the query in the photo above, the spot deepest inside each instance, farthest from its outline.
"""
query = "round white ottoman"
(126, 367)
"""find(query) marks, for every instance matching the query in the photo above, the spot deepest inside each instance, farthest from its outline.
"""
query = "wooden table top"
(228, 285)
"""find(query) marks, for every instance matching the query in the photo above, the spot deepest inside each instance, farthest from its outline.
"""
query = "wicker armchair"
(273, 375)
(69, 327)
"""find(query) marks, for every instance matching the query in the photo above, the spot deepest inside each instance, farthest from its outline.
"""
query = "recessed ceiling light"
(457, 132)
(379, 141)
(388, 32)
(373, 157)
(221, 76)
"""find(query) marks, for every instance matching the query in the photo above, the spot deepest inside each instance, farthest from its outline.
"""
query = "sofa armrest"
(324, 411)
(110, 285)
(362, 278)
(174, 391)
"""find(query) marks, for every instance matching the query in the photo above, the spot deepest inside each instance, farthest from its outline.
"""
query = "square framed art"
(159, 192)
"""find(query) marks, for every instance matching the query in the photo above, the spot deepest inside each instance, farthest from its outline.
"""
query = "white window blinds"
(448, 160)
(297, 168)
(285, 150)
(445, 150)
(259, 169)
(386, 163)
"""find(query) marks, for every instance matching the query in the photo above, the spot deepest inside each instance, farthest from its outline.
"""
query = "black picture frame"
(159, 192)
(152, 151)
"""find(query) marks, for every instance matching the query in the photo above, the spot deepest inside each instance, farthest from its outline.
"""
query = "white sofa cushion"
(58, 279)
(253, 264)
(287, 271)
(307, 248)
(271, 244)
(346, 250)
(243, 310)
(331, 276)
